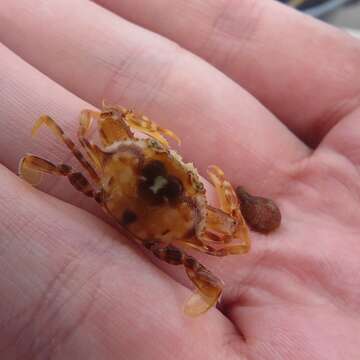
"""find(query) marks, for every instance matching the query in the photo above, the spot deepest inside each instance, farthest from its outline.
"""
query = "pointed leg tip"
(29, 175)
(38, 123)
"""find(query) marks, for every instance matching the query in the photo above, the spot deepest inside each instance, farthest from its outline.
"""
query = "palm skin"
(302, 291)
(72, 287)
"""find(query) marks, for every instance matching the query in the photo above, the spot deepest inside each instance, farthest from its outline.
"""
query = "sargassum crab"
(157, 199)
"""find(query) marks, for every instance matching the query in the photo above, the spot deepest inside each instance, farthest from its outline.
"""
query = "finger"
(301, 69)
(68, 279)
(21, 103)
(344, 138)
(218, 121)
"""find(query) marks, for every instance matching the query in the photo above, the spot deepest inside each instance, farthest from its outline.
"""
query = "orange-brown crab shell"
(166, 222)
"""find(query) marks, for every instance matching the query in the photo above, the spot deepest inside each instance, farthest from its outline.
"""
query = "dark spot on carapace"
(153, 169)
(173, 189)
(144, 189)
(128, 217)
(157, 187)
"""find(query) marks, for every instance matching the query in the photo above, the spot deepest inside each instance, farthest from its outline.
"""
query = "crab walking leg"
(31, 168)
(209, 287)
(95, 154)
(227, 197)
(229, 203)
(226, 250)
(85, 121)
(143, 124)
(59, 133)
(112, 127)
(220, 226)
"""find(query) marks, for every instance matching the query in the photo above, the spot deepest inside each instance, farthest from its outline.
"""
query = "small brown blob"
(261, 214)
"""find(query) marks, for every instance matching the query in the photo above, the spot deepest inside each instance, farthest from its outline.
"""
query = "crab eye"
(154, 169)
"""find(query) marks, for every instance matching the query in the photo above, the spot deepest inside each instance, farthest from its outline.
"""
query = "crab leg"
(59, 133)
(143, 124)
(94, 153)
(148, 127)
(112, 127)
(226, 250)
(31, 168)
(219, 226)
(230, 205)
(209, 287)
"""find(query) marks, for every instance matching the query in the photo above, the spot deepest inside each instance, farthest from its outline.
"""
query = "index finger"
(302, 69)
(218, 121)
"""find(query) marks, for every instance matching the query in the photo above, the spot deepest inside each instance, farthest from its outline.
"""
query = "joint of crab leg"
(80, 183)
(221, 224)
(86, 120)
(217, 172)
(141, 123)
(209, 287)
(59, 133)
(148, 127)
(48, 121)
(31, 167)
(106, 107)
(229, 202)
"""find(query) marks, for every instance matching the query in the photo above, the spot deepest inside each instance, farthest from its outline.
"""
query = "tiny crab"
(157, 199)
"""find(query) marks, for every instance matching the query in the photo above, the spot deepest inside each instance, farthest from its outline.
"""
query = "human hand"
(73, 288)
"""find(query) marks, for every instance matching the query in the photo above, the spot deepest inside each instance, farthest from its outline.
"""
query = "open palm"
(72, 288)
